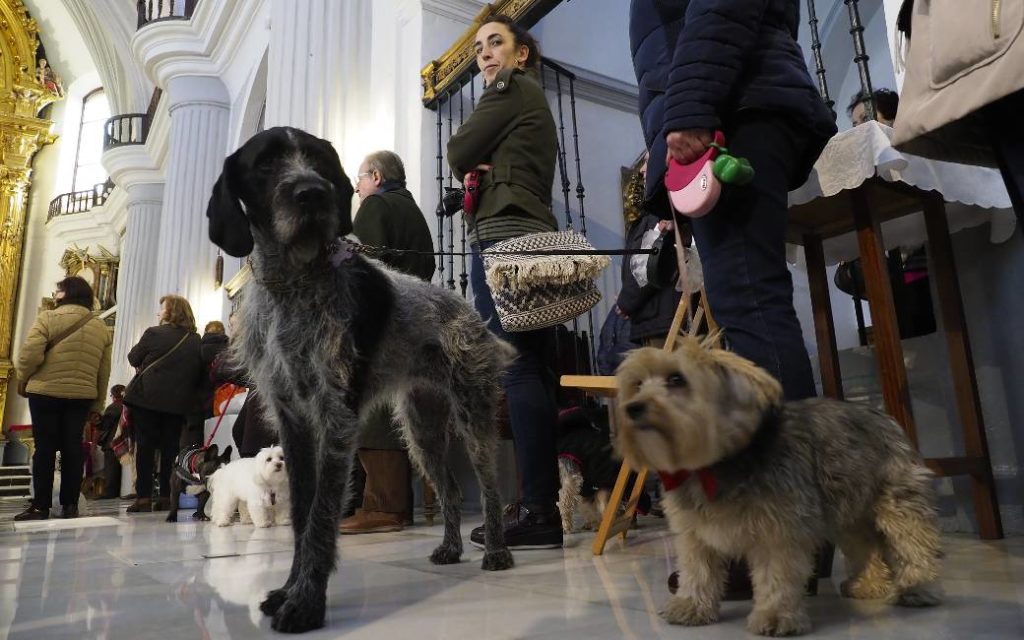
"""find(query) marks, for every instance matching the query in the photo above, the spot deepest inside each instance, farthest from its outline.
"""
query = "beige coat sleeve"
(33, 350)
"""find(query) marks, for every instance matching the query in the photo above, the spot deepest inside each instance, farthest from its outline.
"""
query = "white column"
(136, 298)
(318, 78)
(199, 109)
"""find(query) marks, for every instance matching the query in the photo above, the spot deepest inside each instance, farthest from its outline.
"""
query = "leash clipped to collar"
(676, 479)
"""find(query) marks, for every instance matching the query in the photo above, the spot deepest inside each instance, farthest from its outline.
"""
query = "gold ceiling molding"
(442, 74)
(23, 94)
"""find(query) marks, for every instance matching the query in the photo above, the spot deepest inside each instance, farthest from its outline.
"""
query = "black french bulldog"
(210, 463)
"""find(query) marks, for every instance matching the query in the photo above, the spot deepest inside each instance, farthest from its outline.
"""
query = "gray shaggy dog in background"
(748, 475)
(326, 335)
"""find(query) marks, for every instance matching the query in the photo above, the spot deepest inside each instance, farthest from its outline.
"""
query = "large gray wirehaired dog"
(326, 335)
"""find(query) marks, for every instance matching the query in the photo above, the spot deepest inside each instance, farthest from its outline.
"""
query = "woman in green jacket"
(510, 137)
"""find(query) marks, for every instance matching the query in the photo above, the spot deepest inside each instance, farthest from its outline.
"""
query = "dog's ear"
(226, 456)
(212, 452)
(748, 385)
(342, 187)
(229, 227)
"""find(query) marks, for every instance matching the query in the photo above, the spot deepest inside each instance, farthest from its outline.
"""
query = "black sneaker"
(526, 529)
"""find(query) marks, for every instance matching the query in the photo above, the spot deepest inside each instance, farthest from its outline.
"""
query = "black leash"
(375, 251)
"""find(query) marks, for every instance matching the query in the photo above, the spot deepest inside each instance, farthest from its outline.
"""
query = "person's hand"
(484, 167)
(687, 145)
(665, 225)
(619, 312)
(93, 418)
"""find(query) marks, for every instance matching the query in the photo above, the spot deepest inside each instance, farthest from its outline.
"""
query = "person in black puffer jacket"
(214, 342)
(706, 65)
(170, 364)
(702, 66)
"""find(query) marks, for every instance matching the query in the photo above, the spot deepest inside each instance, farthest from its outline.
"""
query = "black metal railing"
(156, 10)
(860, 57)
(452, 108)
(80, 201)
(125, 129)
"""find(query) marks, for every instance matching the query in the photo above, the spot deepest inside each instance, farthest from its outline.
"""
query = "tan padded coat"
(78, 367)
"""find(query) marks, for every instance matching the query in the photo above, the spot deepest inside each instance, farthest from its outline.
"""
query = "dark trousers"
(1003, 121)
(530, 393)
(57, 425)
(743, 252)
(155, 431)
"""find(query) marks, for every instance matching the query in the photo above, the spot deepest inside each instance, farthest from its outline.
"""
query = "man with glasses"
(388, 217)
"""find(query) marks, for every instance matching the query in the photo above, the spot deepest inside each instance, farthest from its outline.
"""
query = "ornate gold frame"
(22, 133)
(439, 75)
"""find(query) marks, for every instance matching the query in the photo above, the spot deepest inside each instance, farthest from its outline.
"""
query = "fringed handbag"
(537, 291)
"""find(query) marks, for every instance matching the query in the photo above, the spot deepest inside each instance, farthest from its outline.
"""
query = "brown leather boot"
(386, 499)
(141, 505)
(371, 522)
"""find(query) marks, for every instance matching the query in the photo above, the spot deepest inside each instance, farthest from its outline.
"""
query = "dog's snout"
(309, 193)
(636, 410)
(279, 465)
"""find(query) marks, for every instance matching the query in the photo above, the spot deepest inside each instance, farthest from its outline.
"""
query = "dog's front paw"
(446, 555)
(171, 517)
(222, 523)
(687, 612)
(283, 522)
(920, 596)
(778, 623)
(200, 517)
(298, 615)
(498, 560)
(273, 601)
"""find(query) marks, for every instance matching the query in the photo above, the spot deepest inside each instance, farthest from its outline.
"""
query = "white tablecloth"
(974, 195)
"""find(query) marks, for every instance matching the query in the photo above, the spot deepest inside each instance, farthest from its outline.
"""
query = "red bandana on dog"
(673, 480)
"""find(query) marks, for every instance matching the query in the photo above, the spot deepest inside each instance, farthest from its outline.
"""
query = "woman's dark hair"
(522, 37)
(887, 102)
(76, 291)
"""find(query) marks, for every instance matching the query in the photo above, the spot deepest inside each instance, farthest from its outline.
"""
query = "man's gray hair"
(387, 164)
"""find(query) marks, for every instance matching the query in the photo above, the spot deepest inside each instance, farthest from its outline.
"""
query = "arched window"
(88, 169)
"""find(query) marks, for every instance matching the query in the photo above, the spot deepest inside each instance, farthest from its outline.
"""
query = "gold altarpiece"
(23, 95)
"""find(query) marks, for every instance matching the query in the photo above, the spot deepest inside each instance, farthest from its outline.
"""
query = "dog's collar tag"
(674, 480)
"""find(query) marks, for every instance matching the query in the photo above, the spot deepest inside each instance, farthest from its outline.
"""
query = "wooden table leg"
(824, 325)
(888, 349)
(965, 384)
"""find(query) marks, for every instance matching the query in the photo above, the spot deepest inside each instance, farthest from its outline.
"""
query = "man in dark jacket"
(735, 66)
(704, 65)
(388, 217)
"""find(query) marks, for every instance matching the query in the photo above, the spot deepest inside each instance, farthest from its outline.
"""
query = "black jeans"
(1002, 118)
(529, 390)
(155, 430)
(743, 252)
(57, 425)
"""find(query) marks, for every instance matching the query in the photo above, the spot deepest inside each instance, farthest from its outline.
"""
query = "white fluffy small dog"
(257, 487)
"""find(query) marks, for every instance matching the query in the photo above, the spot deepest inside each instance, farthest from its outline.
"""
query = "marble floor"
(113, 576)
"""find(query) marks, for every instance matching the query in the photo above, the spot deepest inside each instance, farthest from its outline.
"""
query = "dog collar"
(675, 479)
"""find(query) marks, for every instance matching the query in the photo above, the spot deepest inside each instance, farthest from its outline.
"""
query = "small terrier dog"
(257, 487)
(749, 475)
(587, 468)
